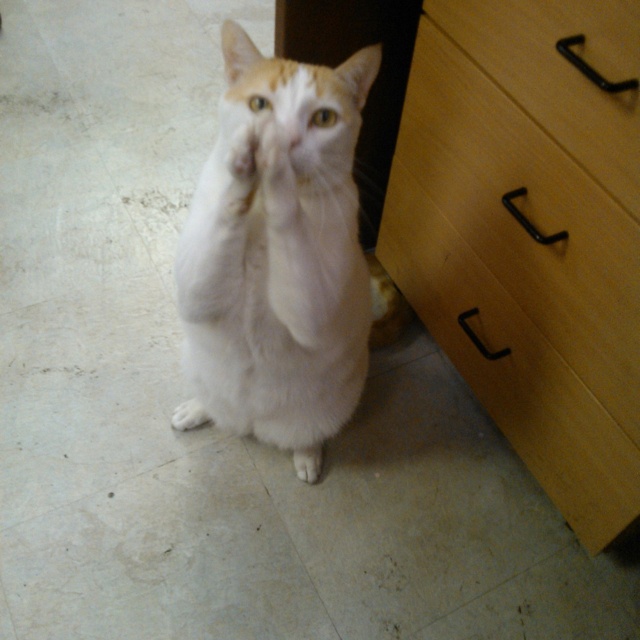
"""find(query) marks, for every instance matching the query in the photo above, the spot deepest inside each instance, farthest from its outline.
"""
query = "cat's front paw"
(277, 175)
(308, 463)
(189, 415)
(272, 156)
(241, 159)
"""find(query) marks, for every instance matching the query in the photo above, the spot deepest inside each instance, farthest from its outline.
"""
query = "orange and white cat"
(273, 288)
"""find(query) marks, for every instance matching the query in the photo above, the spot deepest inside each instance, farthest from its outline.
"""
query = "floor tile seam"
(6, 603)
(25, 307)
(495, 587)
(633, 617)
(156, 267)
(294, 546)
(49, 512)
(176, 121)
(89, 119)
(64, 78)
(201, 22)
(111, 487)
(149, 270)
(608, 577)
(436, 351)
(75, 206)
(31, 305)
(625, 607)
(185, 454)
(120, 197)
(116, 193)
(112, 193)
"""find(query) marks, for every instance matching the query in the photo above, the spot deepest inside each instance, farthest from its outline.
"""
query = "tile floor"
(426, 525)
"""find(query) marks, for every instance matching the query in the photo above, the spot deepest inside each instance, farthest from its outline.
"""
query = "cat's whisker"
(367, 172)
(368, 185)
(369, 189)
(331, 200)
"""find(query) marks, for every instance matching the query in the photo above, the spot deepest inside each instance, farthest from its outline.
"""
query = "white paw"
(241, 160)
(189, 415)
(308, 464)
(278, 177)
(272, 157)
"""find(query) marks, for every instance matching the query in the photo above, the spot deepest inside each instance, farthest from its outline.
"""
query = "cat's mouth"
(300, 163)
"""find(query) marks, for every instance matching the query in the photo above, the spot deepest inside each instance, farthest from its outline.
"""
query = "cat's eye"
(258, 103)
(324, 118)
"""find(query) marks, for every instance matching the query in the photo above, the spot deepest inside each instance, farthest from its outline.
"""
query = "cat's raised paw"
(189, 415)
(241, 159)
(272, 156)
(308, 463)
(278, 178)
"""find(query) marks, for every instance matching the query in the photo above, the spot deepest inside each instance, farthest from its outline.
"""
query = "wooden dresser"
(512, 225)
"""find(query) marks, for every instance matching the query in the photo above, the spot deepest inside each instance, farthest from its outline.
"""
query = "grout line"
(499, 585)
(113, 485)
(399, 365)
(291, 540)
(8, 608)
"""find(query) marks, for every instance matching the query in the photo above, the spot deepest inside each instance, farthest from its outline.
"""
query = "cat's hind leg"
(189, 415)
(308, 463)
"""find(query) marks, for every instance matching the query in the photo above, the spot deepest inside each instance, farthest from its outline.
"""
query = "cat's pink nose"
(294, 140)
(292, 134)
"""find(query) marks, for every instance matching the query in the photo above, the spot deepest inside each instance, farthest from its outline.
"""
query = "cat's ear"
(360, 70)
(238, 50)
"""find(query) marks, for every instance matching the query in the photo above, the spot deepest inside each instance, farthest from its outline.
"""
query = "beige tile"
(36, 109)
(423, 506)
(241, 10)
(414, 343)
(619, 569)
(256, 17)
(149, 64)
(155, 173)
(7, 631)
(49, 252)
(193, 549)
(557, 598)
(158, 214)
(66, 177)
(169, 155)
(89, 384)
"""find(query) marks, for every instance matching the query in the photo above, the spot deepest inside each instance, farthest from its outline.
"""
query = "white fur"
(273, 289)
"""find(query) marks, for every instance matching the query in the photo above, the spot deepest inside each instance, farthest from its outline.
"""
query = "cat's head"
(317, 107)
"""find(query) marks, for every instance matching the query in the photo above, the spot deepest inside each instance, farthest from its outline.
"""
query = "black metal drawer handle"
(610, 87)
(462, 319)
(520, 217)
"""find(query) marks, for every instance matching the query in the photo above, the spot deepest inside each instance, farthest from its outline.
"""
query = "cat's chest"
(254, 306)
(255, 323)
(255, 265)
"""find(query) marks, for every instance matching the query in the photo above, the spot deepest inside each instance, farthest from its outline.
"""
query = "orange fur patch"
(275, 72)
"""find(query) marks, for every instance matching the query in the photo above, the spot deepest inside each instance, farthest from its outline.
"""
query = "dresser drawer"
(577, 452)
(515, 41)
(467, 145)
